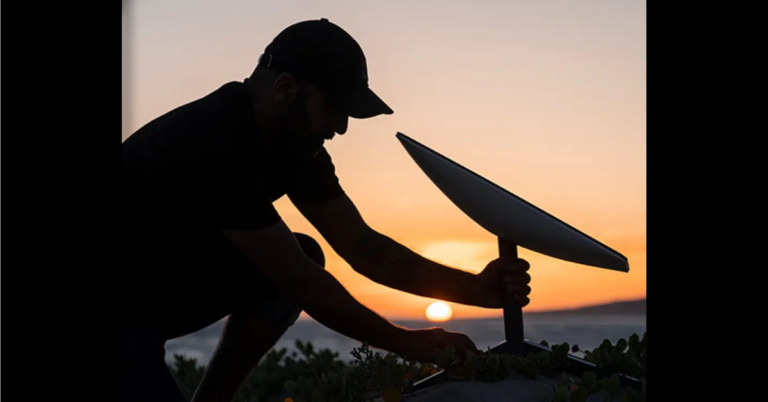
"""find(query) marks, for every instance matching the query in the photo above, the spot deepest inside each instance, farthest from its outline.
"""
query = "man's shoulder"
(196, 141)
(212, 112)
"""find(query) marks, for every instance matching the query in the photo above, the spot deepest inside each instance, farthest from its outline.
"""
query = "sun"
(439, 311)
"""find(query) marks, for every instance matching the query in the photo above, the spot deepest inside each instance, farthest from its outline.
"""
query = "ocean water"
(587, 331)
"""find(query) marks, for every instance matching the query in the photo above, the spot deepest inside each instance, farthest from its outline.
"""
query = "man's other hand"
(421, 344)
(502, 276)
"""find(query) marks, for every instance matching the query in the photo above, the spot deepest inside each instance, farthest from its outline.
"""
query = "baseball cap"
(324, 54)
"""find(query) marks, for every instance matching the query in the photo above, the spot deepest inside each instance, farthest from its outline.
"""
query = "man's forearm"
(391, 264)
(314, 289)
(328, 302)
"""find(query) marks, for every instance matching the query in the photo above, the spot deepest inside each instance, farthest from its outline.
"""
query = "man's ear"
(285, 88)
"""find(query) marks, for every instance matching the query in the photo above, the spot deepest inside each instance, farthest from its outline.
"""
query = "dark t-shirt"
(200, 166)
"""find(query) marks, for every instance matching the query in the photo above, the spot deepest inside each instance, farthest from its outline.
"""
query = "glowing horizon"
(546, 99)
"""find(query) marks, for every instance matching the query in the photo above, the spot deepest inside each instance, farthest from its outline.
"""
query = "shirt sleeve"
(315, 180)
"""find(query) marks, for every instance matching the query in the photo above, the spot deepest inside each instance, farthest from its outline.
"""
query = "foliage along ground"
(310, 375)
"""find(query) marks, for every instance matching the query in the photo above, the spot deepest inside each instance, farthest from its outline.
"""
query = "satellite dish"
(515, 222)
(508, 216)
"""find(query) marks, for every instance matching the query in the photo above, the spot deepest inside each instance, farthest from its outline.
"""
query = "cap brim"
(363, 104)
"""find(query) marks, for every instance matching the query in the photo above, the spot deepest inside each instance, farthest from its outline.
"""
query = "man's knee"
(311, 248)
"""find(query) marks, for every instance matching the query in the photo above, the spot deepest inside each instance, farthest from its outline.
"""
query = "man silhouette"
(202, 240)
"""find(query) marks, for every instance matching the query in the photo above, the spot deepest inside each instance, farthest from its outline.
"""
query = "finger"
(466, 346)
(520, 290)
(463, 346)
(518, 266)
(464, 341)
(473, 347)
(518, 279)
(469, 344)
(522, 300)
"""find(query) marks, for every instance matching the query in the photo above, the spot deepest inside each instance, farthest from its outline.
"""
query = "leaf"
(385, 376)
(426, 368)
(599, 385)
(579, 395)
(292, 387)
(613, 383)
(530, 370)
(604, 358)
(560, 394)
(471, 363)
(318, 396)
(544, 343)
(621, 345)
(545, 358)
(391, 395)
(519, 364)
(506, 362)
(441, 359)
(559, 353)
(588, 380)
(495, 361)
(614, 353)
(634, 342)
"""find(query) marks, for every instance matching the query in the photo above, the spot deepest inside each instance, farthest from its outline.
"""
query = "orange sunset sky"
(545, 98)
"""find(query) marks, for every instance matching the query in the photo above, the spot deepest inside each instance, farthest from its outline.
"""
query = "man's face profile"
(307, 119)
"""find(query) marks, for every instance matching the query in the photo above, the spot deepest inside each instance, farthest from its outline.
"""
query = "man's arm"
(276, 251)
(384, 260)
(278, 254)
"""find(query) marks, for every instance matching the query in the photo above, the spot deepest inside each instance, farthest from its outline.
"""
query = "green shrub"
(311, 375)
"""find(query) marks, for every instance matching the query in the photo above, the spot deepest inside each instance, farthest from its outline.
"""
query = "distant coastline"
(623, 308)
(628, 307)
(636, 307)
